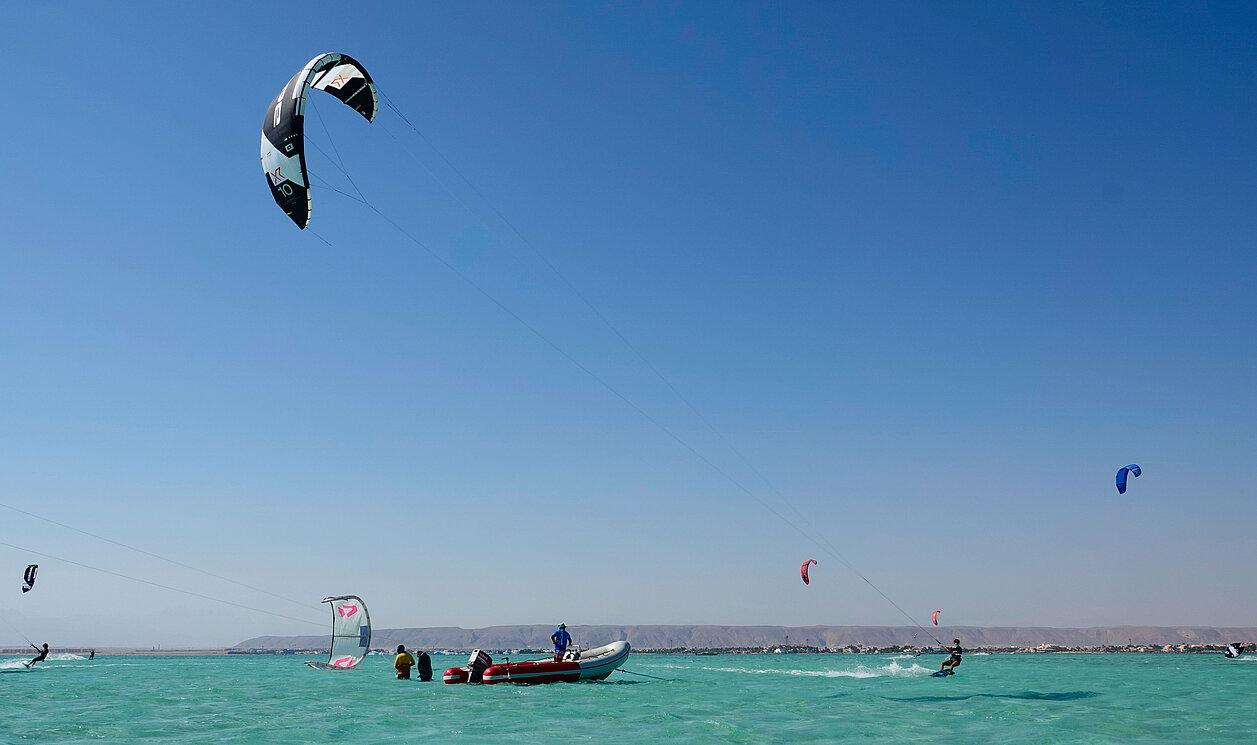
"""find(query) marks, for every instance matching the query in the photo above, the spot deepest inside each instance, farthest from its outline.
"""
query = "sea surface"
(688, 699)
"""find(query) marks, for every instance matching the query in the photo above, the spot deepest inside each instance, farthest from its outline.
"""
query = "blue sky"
(916, 281)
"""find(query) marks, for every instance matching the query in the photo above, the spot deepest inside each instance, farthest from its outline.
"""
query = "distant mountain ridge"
(710, 637)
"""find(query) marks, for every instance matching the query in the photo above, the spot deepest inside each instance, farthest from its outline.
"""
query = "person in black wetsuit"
(424, 663)
(43, 655)
(951, 662)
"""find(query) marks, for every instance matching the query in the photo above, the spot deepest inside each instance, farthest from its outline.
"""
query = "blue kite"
(1121, 476)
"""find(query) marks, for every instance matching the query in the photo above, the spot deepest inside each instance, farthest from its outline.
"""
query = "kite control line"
(283, 161)
(652, 677)
(156, 584)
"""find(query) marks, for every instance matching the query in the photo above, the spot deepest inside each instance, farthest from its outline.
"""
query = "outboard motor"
(424, 663)
(477, 663)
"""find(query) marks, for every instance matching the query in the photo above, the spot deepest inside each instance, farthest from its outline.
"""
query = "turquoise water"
(712, 699)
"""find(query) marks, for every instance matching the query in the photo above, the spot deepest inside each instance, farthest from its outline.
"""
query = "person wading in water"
(403, 662)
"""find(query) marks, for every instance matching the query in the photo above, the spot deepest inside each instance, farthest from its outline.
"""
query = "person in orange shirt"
(403, 662)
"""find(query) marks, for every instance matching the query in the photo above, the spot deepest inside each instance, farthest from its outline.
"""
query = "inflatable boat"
(589, 664)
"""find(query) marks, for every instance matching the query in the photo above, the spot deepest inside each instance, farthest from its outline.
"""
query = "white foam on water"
(13, 663)
(893, 670)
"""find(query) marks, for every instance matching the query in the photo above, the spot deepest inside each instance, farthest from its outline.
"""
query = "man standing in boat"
(561, 639)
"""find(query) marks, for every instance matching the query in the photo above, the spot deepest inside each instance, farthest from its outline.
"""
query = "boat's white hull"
(594, 664)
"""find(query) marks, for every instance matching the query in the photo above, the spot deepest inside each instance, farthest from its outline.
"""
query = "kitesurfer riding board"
(43, 655)
(949, 664)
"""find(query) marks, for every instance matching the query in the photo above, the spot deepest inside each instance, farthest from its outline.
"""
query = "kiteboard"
(942, 673)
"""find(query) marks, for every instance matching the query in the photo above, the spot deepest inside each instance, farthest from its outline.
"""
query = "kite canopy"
(934, 616)
(29, 578)
(283, 139)
(803, 571)
(351, 633)
(1121, 476)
